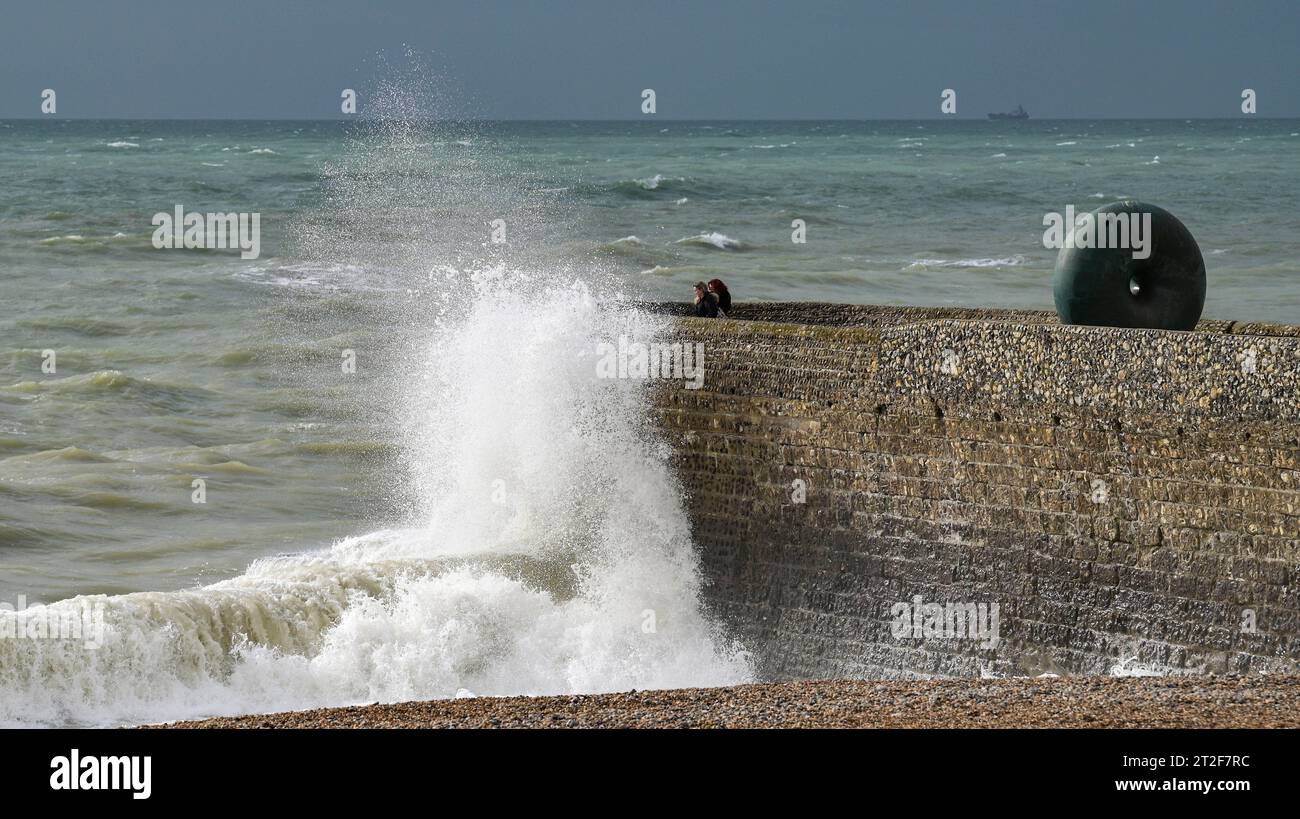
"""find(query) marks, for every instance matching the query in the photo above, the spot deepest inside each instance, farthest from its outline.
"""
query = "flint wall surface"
(1130, 499)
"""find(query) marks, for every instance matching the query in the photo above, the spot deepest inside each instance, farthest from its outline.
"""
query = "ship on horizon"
(1019, 113)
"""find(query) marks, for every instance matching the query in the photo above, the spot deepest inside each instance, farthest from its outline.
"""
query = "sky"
(708, 59)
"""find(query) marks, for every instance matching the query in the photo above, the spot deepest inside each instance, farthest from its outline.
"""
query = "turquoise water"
(172, 366)
(169, 360)
(899, 212)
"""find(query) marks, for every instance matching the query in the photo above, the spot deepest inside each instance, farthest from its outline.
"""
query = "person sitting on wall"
(717, 288)
(706, 303)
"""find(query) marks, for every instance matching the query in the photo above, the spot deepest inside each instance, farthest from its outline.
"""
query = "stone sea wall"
(1129, 499)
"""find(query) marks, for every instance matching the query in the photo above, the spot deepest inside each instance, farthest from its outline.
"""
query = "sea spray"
(578, 576)
(543, 545)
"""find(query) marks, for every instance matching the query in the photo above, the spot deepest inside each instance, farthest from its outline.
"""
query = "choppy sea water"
(469, 509)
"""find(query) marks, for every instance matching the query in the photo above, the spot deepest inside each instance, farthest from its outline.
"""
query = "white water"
(556, 558)
(549, 551)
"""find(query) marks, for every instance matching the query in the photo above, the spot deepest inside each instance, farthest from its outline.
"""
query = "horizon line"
(645, 119)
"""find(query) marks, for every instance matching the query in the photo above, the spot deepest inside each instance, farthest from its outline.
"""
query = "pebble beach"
(1077, 702)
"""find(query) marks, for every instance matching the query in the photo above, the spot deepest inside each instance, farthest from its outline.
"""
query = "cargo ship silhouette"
(1019, 113)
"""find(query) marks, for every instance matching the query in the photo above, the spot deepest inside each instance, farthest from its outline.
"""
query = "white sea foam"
(1130, 667)
(1003, 261)
(546, 548)
(713, 239)
(652, 183)
(554, 557)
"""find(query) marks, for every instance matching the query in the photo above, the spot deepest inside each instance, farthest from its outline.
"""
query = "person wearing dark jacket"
(706, 303)
(717, 288)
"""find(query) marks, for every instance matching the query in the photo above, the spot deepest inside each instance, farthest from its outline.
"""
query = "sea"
(372, 462)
